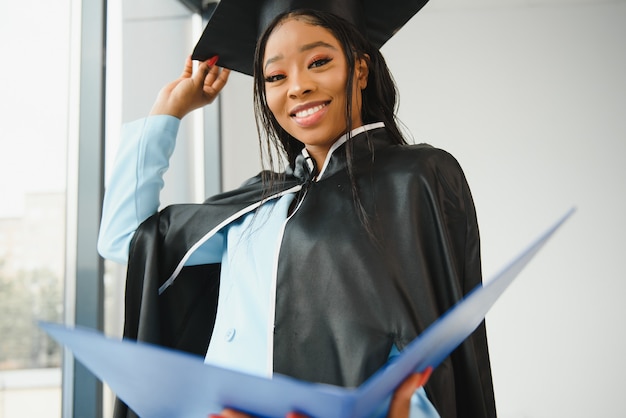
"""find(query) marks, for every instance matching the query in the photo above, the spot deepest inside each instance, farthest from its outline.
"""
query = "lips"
(309, 114)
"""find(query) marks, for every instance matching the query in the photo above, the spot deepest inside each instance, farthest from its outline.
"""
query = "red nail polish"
(425, 376)
(211, 61)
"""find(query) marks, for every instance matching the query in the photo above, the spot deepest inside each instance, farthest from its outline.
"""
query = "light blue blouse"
(247, 248)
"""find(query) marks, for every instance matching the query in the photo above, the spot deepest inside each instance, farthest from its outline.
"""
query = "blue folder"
(160, 382)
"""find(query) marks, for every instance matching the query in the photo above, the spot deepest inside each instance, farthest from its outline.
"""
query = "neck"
(319, 154)
(322, 155)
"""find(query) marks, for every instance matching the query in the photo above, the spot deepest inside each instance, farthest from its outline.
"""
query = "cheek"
(339, 87)
(273, 102)
(357, 96)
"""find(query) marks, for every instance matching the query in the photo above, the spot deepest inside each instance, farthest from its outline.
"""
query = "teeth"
(309, 111)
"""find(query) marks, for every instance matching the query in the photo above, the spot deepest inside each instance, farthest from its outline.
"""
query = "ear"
(362, 71)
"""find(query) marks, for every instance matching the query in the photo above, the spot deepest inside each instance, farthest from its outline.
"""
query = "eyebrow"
(303, 48)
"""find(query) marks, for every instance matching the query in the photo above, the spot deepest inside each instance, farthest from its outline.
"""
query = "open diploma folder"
(160, 382)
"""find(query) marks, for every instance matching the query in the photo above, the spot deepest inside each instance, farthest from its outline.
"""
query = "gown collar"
(305, 165)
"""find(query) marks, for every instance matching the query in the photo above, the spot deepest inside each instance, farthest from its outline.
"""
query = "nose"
(300, 84)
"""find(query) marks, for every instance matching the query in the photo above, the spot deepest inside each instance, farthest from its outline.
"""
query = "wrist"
(159, 109)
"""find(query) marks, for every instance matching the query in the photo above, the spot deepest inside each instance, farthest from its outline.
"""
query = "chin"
(317, 137)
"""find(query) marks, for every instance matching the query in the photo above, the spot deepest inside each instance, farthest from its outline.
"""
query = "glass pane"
(34, 118)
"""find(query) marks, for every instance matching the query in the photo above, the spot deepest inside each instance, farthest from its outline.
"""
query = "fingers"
(401, 399)
(202, 72)
(425, 375)
(211, 77)
(400, 405)
(192, 90)
(214, 84)
(188, 70)
(229, 413)
(203, 68)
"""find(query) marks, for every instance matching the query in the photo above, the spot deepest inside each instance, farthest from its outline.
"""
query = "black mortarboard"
(235, 26)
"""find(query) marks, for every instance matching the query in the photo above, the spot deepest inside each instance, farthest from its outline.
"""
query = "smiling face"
(305, 72)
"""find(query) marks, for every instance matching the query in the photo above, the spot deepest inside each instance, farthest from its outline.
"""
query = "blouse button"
(230, 334)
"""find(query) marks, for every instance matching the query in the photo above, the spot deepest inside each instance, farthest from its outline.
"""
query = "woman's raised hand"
(191, 90)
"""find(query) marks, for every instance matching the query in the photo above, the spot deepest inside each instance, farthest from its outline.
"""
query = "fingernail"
(211, 61)
(424, 378)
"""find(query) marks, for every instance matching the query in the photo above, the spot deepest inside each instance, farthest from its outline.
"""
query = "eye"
(274, 77)
(319, 62)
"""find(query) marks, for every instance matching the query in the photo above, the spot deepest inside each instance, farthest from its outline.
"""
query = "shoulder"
(267, 177)
(422, 165)
(259, 187)
(421, 157)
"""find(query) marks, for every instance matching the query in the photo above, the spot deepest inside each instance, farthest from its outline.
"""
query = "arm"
(132, 194)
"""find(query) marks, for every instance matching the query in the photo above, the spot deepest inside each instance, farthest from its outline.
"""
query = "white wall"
(531, 100)
(156, 37)
(530, 97)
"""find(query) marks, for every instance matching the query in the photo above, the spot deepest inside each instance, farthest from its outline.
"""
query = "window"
(34, 120)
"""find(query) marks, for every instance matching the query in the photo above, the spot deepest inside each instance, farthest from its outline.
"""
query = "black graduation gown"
(345, 296)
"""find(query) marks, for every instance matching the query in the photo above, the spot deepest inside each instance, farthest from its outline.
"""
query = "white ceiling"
(481, 4)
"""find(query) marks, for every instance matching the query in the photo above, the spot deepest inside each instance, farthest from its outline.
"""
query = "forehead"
(293, 33)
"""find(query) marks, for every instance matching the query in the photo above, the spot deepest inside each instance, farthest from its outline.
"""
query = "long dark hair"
(379, 98)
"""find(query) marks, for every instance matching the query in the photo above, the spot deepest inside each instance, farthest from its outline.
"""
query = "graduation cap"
(236, 25)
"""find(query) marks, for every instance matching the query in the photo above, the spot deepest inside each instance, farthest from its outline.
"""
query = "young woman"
(326, 269)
